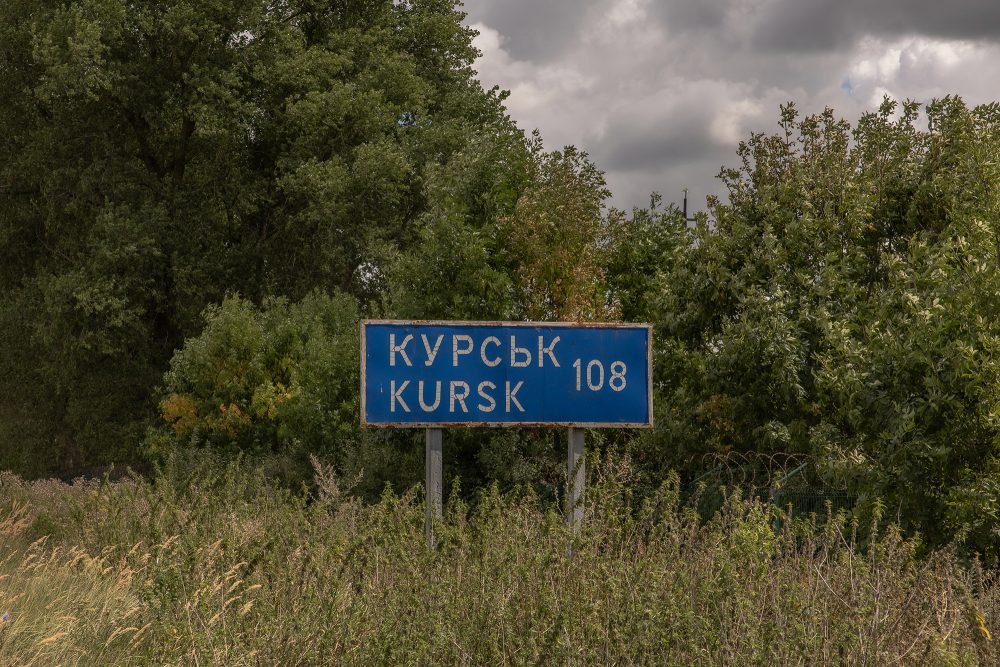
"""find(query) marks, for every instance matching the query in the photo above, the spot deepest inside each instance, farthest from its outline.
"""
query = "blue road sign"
(433, 374)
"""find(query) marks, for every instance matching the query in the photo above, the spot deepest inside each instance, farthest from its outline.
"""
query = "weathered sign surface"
(432, 374)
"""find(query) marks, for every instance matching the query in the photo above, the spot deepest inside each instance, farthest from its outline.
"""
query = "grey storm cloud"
(534, 30)
(660, 92)
(692, 14)
(669, 139)
(833, 24)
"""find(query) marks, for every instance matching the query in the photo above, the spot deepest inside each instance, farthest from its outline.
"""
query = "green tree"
(555, 239)
(156, 156)
(842, 304)
(538, 254)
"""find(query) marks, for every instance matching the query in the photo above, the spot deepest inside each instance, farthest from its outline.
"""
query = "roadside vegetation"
(200, 200)
(212, 564)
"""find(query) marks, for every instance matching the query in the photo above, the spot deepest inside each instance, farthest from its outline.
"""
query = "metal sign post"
(433, 483)
(468, 374)
(577, 479)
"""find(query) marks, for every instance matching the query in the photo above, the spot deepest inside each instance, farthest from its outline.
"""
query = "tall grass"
(210, 564)
(61, 606)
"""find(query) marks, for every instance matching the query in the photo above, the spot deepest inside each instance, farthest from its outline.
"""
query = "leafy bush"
(274, 379)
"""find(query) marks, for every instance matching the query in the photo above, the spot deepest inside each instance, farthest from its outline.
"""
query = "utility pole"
(686, 218)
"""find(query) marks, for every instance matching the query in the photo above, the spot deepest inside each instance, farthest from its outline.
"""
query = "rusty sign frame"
(511, 424)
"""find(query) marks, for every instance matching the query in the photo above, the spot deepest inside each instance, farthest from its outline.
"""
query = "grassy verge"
(210, 564)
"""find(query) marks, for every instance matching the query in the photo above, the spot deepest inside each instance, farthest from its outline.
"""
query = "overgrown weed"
(210, 563)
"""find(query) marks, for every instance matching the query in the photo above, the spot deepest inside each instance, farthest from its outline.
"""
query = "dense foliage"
(156, 156)
(199, 200)
(843, 305)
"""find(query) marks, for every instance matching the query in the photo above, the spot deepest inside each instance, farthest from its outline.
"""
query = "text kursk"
(456, 350)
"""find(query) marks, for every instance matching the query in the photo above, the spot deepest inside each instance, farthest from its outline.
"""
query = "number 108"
(595, 375)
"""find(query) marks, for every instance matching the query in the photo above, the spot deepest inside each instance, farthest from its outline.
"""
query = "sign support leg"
(577, 478)
(433, 483)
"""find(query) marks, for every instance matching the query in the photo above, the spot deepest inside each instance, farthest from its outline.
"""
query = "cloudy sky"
(660, 92)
